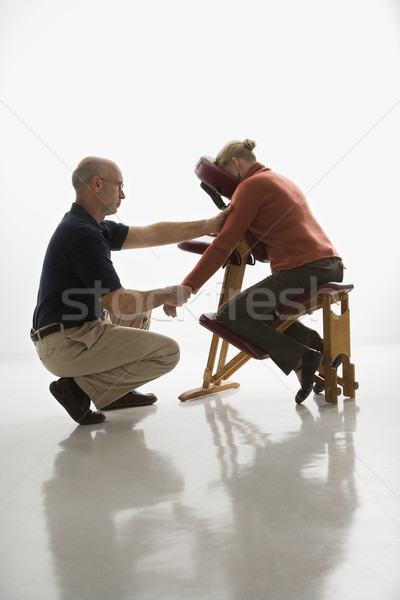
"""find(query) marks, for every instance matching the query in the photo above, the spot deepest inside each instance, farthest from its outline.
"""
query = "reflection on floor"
(233, 497)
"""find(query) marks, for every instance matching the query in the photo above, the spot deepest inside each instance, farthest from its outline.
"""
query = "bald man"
(88, 329)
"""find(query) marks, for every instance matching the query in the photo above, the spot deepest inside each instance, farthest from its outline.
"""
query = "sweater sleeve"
(245, 208)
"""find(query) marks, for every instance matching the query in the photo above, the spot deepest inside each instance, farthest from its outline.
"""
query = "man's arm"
(161, 234)
(123, 302)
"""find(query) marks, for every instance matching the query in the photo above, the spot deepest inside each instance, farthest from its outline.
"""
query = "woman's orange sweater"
(276, 212)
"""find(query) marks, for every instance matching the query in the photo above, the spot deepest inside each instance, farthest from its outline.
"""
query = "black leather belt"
(53, 329)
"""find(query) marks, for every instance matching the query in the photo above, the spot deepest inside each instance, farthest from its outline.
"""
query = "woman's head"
(239, 150)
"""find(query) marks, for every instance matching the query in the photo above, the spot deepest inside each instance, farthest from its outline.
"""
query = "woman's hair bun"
(249, 144)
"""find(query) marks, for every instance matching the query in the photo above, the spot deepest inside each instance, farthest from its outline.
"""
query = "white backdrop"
(154, 85)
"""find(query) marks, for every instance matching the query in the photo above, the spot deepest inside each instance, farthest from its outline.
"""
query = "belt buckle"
(34, 336)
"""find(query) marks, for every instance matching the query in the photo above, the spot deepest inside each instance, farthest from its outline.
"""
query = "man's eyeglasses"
(119, 184)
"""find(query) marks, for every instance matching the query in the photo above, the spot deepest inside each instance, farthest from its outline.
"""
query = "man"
(87, 328)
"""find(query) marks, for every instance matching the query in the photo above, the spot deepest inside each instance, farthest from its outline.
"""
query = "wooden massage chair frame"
(217, 182)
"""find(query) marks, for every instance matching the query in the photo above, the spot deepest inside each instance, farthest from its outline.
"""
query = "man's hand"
(217, 222)
(131, 302)
(169, 310)
(178, 295)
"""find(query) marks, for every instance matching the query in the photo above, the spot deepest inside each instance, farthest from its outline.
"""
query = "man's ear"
(95, 183)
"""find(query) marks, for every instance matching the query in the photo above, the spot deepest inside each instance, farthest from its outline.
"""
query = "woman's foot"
(309, 365)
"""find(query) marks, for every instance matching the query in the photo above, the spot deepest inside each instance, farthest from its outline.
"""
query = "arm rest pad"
(200, 245)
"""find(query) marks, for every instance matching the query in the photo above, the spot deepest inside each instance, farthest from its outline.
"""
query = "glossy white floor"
(242, 496)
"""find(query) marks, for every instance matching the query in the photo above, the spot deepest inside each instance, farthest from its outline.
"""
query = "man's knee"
(171, 355)
(176, 353)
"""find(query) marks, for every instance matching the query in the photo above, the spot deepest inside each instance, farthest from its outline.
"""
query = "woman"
(301, 256)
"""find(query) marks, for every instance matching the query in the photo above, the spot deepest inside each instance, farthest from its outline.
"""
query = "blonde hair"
(236, 149)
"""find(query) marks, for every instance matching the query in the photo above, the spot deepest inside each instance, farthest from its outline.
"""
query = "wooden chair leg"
(231, 367)
(211, 384)
(348, 382)
(337, 341)
(211, 360)
(329, 372)
(232, 284)
(222, 355)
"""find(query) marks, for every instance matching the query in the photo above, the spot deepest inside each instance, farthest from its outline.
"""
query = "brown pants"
(109, 358)
(249, 313)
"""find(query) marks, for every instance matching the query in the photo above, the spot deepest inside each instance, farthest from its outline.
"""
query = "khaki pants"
(249, 313)
(109, 358)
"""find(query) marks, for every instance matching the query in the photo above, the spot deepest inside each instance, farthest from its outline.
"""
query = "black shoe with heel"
(131, 399)
(309, 365)
(77, 404)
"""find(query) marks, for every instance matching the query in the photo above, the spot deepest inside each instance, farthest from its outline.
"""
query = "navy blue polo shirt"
(77, 269)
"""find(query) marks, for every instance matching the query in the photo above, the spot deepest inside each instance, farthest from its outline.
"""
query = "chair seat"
(209, 321)
(330, 288)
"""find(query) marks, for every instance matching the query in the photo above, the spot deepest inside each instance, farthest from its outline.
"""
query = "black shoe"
(309, 364)
(77, 404)
(318, 389)
(131, 399)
